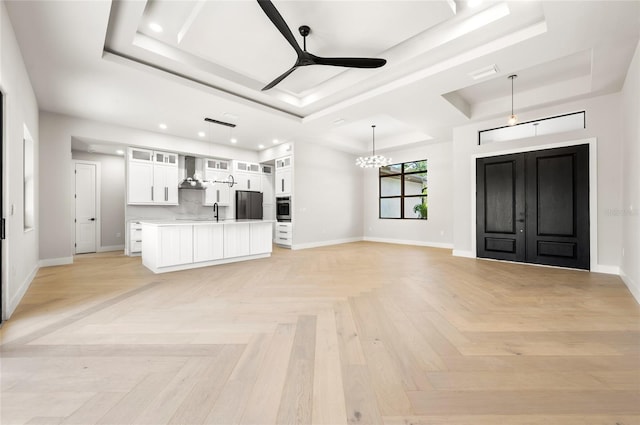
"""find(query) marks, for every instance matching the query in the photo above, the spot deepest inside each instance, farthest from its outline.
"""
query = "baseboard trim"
(633, 287)
(15, 300)
(324, 243)
(409, 242)
(462, 253)
(111, 248)
(49, 262)
(599, 268)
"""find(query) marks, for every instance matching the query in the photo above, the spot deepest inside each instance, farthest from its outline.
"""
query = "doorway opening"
(533, 207)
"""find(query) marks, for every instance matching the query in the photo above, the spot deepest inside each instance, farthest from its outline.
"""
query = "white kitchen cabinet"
(217, 192)
(283, 182)
(165, 184)
(284, 234)
(140, 183)
(248, 181)
(135, 238)
(168, 245)
(152, 177)
(243, 166)
(260, 238)
(284, 162)
(208, 242)
(175, 245)
(237, 239)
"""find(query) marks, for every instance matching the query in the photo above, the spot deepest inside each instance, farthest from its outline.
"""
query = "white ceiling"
(100, 60)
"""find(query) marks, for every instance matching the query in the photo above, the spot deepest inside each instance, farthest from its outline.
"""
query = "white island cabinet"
(171, 245)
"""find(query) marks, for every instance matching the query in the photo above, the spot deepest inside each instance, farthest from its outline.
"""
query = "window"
(403, 190)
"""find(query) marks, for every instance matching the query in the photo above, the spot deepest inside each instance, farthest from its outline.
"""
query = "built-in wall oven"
(283, 208)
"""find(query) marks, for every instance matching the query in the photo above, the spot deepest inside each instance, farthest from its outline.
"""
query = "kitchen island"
(171, 245)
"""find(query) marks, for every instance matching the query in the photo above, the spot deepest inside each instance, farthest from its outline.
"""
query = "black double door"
(533, 207)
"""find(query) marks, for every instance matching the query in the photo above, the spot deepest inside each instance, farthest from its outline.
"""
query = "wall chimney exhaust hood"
(192, 179)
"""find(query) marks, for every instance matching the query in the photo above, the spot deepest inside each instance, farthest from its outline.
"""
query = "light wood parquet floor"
(361, 333)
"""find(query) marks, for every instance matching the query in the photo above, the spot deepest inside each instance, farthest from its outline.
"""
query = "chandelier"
(373, 161)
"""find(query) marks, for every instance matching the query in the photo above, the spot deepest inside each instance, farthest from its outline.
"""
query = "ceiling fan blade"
(280, 78)
(350, 62)
(277, 19)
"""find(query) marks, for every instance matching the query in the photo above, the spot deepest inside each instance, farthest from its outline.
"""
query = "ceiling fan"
(305, 58)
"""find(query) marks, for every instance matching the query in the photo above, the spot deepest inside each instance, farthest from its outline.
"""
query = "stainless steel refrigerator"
(248, 205)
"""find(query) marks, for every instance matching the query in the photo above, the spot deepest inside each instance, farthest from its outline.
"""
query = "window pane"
(390, 186)
(415, 184)
(390, 208)
(415, 207)
(411, 167)
(391, 169)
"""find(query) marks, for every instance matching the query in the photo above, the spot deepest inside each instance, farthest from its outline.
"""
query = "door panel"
(534, 207)
(558, 210)
(85, 208)
(500, 206)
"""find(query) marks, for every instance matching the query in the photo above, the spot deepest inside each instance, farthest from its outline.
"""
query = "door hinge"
(2, 234)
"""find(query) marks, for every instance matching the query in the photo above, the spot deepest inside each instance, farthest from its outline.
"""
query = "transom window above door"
(403, 190)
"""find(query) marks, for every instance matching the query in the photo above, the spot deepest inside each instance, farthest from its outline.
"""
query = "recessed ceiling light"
(484, 72)
(155, 27)
(260, 146)
(234, 140)
(163, 126)
(338, 121)
(120, 152)
(230, 116)
(201, 133)
(276, 141)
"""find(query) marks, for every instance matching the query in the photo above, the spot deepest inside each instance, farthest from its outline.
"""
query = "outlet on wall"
(118, 235)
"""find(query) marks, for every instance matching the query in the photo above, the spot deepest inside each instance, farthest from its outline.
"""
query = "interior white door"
(85, 197)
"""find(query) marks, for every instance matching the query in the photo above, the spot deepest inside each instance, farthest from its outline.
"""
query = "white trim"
(443, 245)
(203, 263)
(110, 248)
(61, 261)
(601, 268)
(13, 302)
(631, 285)
(325, 243)
(593, 188)
(97, 164)
(463, 253)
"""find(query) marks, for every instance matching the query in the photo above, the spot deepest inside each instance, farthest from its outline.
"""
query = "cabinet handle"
(248, 184)
(217, 195)
(166, 193)
(282, 180)
(152, 193)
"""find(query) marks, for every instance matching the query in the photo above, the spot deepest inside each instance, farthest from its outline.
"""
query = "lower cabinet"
(237, 238)
(170, 247)
(175, 244)
(208, 242)
(284, 234)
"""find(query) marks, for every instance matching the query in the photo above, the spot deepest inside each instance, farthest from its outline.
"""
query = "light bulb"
(513, 119)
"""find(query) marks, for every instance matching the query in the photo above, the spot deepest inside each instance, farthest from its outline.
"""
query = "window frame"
(402, 195)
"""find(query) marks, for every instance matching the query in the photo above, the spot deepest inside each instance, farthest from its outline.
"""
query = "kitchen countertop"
(196, 221)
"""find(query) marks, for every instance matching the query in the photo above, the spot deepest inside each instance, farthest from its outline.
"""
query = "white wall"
(437, 229)
(112, 197)
(327, 196)
(56, 131)
(630, 206)
(20, 249)
(602, 116)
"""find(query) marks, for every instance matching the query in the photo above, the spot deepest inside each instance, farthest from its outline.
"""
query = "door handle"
(520, 220)
(92, 219)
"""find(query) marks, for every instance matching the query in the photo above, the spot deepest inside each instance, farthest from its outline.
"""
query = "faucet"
(215, 211)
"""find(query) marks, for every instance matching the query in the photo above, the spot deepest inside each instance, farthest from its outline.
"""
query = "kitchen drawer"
(280, 240)
(136, 246)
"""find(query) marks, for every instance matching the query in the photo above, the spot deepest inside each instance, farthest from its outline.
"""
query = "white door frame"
(73, 200)
(594, 266)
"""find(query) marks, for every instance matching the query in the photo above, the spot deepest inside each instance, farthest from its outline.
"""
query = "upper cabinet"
(247, 175)
(152, 177)
(220, 193)
(284, 176)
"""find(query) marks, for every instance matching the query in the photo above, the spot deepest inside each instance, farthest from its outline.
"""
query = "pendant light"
(513, 119)
(373, 161)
